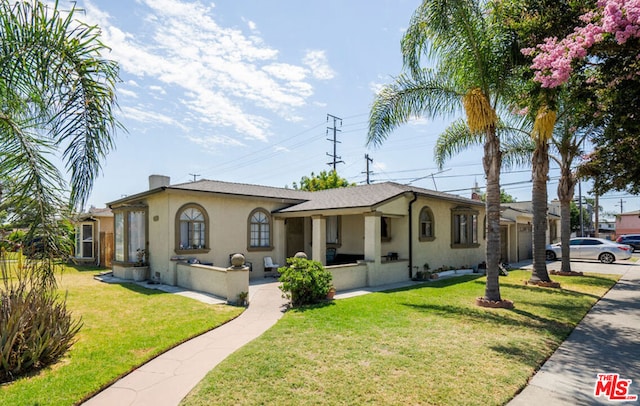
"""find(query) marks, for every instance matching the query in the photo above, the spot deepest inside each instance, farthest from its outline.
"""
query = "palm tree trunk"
(540, 172)
(566, 187)
(492, 161)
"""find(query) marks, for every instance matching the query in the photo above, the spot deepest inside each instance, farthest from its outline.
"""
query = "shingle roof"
(365, 196)
(341, 198)
(242, 189)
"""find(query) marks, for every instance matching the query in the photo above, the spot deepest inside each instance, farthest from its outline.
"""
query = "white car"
(591, 248)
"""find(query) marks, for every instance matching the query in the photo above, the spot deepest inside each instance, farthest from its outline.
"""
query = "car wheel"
(551, 256)
(606, 258)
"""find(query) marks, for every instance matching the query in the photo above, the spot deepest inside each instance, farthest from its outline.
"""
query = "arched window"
(259, 230)
(427, 225)
(192, 223)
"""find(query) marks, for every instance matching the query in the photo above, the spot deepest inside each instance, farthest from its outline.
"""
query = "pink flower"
(553, 59)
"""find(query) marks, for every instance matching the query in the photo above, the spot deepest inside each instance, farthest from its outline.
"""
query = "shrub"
(304, 281)
(35, 327)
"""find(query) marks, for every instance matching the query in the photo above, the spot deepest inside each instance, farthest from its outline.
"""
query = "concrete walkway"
(167, 379)
(607, 340)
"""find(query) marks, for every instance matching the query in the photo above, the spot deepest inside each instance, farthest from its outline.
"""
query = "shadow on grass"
(306, 308)
(436, 283)
(134, 287)
(528, 320)
(86, 268)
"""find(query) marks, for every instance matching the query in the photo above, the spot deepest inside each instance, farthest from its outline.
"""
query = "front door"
(504, 243)
(295, 236)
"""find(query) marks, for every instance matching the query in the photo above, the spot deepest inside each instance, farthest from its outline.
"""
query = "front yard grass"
(427, 345)
(124, 326)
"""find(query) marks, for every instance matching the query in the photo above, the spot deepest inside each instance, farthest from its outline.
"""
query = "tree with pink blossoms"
(613, 21)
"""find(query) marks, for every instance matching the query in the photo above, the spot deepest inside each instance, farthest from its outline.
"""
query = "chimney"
(158, 181)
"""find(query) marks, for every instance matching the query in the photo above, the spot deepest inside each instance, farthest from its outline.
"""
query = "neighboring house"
(367, 235)
(94, 237)
(516, 231)
(607, 229)
(628, 223)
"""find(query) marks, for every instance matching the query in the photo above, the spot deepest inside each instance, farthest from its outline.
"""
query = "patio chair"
(269, 266)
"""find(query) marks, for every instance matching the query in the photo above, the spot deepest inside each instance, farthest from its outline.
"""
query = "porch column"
(372, 240)
(319, 239)
(279, 240)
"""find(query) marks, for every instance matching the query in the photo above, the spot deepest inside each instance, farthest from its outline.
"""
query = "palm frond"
(455, 139)
(426, 94)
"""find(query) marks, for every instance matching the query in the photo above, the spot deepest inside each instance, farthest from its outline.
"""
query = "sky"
(247, 91)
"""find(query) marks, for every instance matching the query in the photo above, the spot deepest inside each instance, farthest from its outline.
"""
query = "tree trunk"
(566, 187)
(540, 172)
(492, 161)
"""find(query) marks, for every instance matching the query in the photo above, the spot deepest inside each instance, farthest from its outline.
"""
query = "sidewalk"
(167, 379)
(607, 340)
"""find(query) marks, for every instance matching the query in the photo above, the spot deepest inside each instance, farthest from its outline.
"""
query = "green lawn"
(422, 345)
(124, 326)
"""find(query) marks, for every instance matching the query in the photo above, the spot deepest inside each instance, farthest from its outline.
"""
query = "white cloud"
(376, 87)
(128, 93)
(211, 142)
(157, 89)
(146, 116)
(222, 74)
(317, 61)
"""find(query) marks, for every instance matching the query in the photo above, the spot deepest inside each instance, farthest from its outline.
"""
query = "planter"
(331, 293)
(140, 273)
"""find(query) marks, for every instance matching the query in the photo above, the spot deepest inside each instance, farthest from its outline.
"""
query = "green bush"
(304, 281)
(35, 327)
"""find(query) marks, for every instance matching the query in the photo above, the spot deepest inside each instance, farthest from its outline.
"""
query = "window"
(84, 240)
(130, 229)
(427, 232)
(333, 230)
(260, 230)
(192, 224)
(385, 229)
(119, 236)
(464, 228)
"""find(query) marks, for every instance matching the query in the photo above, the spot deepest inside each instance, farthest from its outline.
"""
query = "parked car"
(630, 239)
(591, 248)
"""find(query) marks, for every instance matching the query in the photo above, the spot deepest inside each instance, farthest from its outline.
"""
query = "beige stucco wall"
(227, 283)
(350, 276)
(352, 228)
(227, 231)
(438, 252)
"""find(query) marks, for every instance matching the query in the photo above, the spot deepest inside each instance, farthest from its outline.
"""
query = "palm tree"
(473, 58)
(568, 140)
(58, 95)
(542, 132)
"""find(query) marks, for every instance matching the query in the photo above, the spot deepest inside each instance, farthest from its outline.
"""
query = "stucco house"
(516, 231)
(94, 237)
(628, 223)
(366, 235)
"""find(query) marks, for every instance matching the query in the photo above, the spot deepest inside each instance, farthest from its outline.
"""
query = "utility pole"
(580, 208)
(336, 158)
(367, 159)
(596, 226)
(194, 175)
(620, 204)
